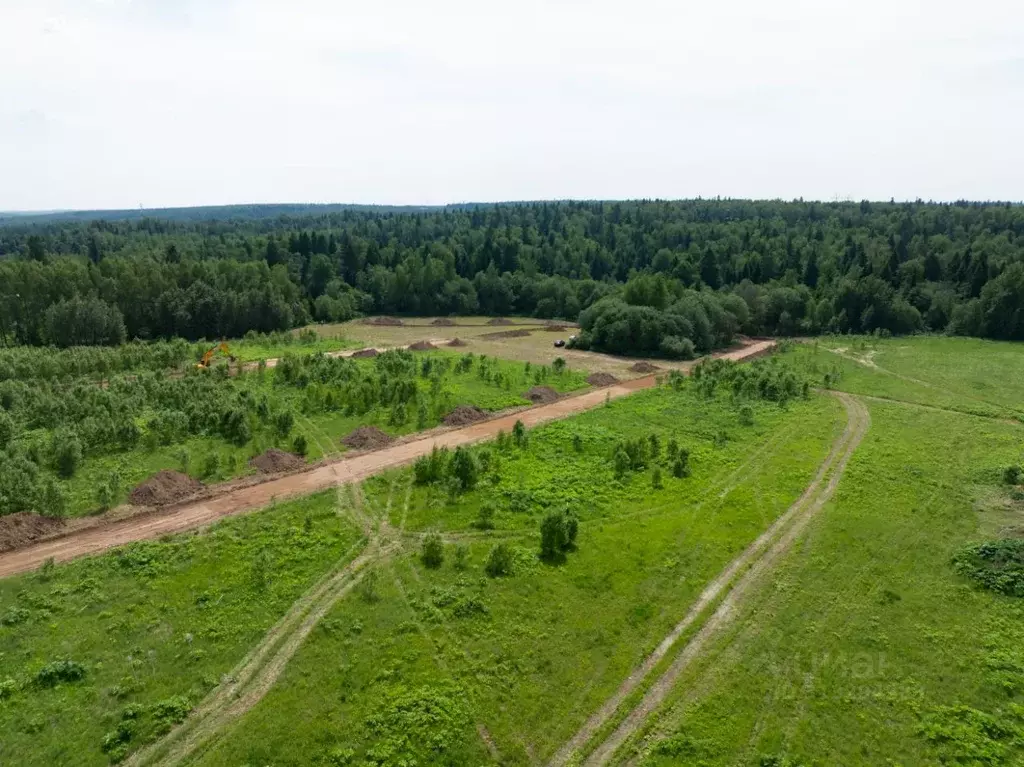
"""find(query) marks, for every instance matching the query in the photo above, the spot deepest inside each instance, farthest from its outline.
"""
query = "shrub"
(461, 556)
(681, 466)
(464, 468)
(299, 445)
(66, 450)
(485, 517)
(577, 443)
(557, 534)
(656, 482)
(996, 565)
(499, 561)
(211, 465)
(519, 436)
(675, 347)
(1012, 475)
(58, 671)
(429, 469)
(53, 501)
(746, 416)
(433, 551)
(558, 364)
(283, 423)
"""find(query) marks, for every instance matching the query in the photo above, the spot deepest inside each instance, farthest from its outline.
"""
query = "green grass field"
(150, 628)
(867, 648)
(969, 375)
(529, 656)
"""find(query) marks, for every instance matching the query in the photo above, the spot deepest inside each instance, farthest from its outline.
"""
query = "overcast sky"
(121, 103)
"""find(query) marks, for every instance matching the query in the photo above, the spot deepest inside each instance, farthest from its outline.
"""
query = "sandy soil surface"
(251, 497)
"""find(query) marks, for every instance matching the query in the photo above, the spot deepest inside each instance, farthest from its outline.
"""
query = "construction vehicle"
(207, 359)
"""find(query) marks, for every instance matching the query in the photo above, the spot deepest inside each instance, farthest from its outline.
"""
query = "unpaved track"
(186, 517)
(754, 562)
(262, 667)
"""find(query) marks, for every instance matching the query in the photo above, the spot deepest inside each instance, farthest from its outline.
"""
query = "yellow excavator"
(222, 347)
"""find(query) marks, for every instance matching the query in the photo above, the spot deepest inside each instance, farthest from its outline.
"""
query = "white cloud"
(112, 103)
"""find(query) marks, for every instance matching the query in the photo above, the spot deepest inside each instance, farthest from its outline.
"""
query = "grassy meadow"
(102, 654)
(441, 655)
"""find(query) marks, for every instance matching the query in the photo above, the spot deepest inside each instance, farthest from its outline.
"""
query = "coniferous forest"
(671, 278)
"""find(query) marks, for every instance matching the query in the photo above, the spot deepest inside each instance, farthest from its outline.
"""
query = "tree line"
(664, 277)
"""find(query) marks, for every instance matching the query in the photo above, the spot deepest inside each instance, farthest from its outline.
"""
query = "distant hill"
(205, 213)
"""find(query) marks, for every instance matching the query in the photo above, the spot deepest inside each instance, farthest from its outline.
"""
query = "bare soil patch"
(366, 353)
(22, 528)
(541, 395)
(444, 322)
(602, 379)
(391, 321)
(464, 414)
(367, 438)
(274, 461)
(644, 367)
(458, 342)
(421, 346)
(521, 333)
(499, 321)
(163, 488)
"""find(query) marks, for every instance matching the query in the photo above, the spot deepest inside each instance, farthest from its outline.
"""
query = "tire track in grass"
(246, 685)
(801, 514)
(751, 562)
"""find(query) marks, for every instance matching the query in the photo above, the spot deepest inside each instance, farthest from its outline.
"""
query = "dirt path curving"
(753, 563)
(250, 681)
(93, 540)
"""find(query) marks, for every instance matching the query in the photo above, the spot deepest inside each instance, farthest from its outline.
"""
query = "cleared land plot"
(525, 659)
(537, 347)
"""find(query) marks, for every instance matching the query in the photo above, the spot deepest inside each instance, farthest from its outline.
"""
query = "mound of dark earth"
(444, 322)
(457, 342)
(163, 488)
(602, 379)
(554, 327)
(541, 395)
(366, 353)
(644, 367)
(367, 438)
(464, 415)
(22, 528)
(421, 346)
(274, 461)
(499, 321)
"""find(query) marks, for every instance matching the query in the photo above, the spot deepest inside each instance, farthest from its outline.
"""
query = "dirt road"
(245, 499)
(743, 575)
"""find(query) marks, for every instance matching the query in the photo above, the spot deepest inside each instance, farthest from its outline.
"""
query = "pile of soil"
(457, 342)
(554, 327)
(464, 415)
(274, 461)
(163, 488)
(644, 367)
(521, 333)
(22, 528)
(602, 379)
(445, 322)
(366, 353)
(367, 438)
(499, 321)
(391, 321)
(541, 395)
(421, 346)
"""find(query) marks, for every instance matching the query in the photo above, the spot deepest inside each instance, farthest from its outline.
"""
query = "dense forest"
(663, 277)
